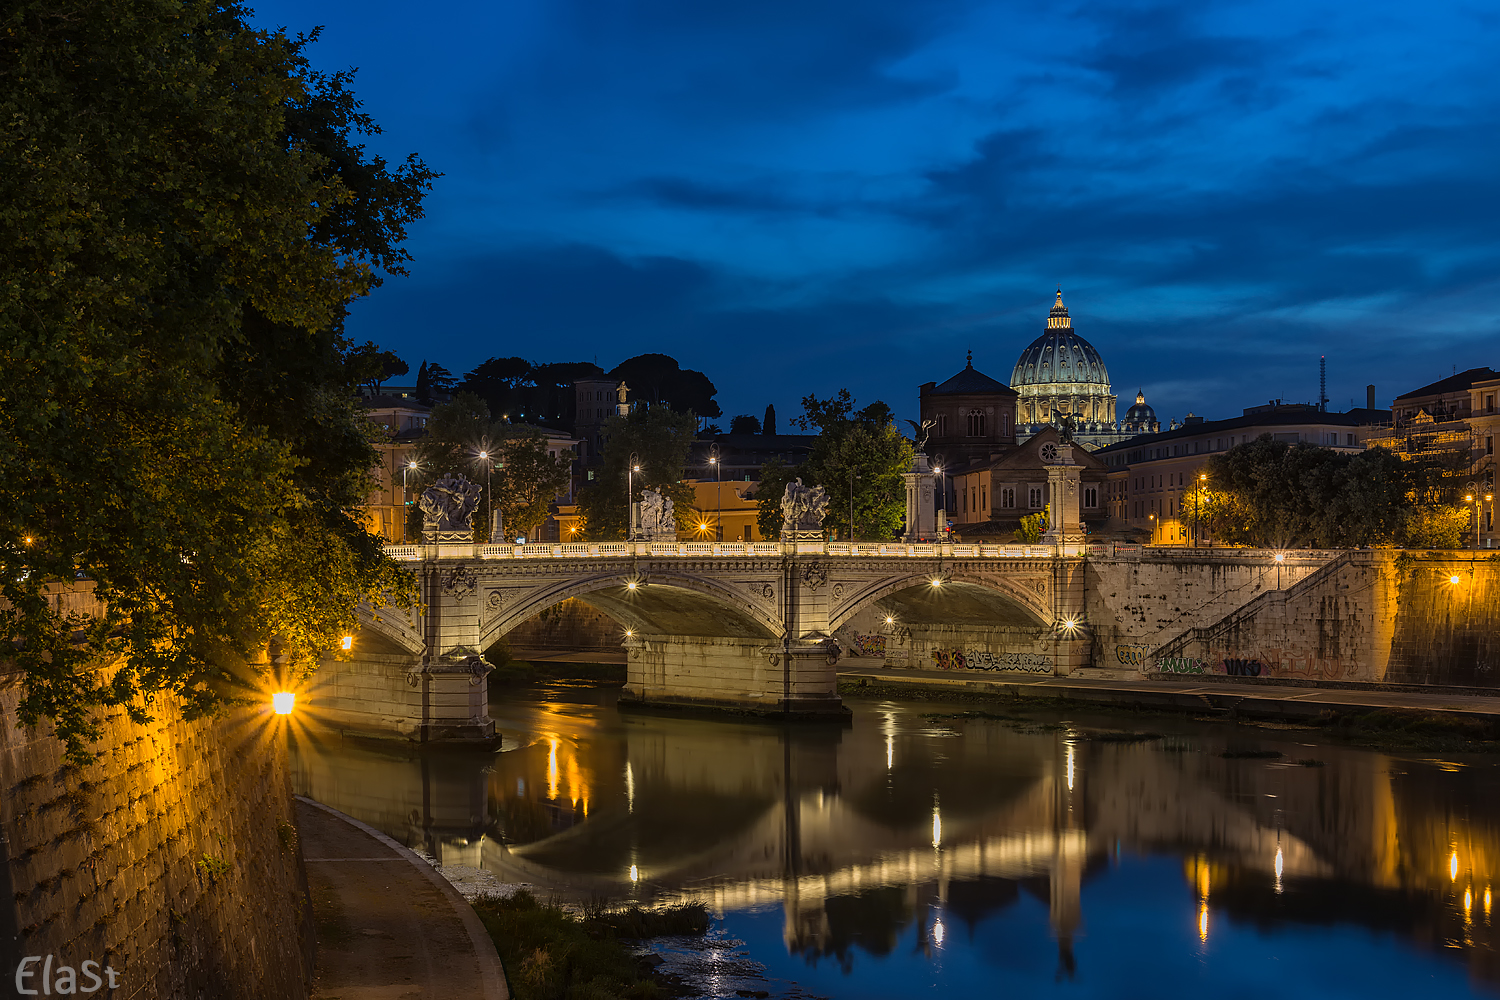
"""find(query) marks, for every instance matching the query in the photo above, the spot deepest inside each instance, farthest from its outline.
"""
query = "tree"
(369, 366)
(867, 445)
(744, 424)
(1033, 526)
(528, 480)
(660, 437)
(1435, 526)
(775, 476)
(657, 378)
(186, 216)
(768, 423)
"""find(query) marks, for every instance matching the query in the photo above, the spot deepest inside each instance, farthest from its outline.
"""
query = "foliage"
(432, 379)
(185, 214)
(368, 365)
(658, 379)
(551, 955)
(1268, 492)
(775, 476)
(768, 422)
(660, 437)
(1437, 526)
(1033, 526)
(866, 444)
(524, 479)
(744, 424)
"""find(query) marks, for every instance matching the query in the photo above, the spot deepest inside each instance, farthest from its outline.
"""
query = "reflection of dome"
(1140, 417)
(1060, 356)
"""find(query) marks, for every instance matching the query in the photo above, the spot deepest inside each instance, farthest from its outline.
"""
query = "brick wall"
(171, 859)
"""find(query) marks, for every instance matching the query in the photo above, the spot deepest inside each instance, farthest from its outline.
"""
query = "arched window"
(1091, 497)
(976, 423)
(942, 425)
(1008, 497)
(1035, 497)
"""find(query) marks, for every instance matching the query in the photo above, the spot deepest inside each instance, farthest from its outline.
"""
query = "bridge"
(748, 626)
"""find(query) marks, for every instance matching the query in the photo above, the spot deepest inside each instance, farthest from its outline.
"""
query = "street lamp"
(409, 467)
(713, 459)
(943, 486)
(1152, 519)
(1280, 561)
(489, 495)
(630, 471)
(852, 477)
(1473, 498)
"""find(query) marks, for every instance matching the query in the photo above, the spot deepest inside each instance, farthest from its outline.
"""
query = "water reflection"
(904, 827)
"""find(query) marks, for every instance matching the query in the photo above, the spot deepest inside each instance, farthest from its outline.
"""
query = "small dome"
(1060, 355)
(1140, 413)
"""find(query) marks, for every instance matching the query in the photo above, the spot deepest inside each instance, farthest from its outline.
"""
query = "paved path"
(1260, 699)
(389, 926)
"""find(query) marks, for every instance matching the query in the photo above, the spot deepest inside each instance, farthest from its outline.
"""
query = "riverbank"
(1398, 720)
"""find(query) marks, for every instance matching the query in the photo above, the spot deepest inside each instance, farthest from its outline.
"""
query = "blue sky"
(796, 196)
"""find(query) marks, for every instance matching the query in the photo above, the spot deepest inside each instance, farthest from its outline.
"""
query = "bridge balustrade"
(581, 550)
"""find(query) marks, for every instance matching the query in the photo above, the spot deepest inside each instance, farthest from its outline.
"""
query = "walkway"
(389, 926)
(1266, 699)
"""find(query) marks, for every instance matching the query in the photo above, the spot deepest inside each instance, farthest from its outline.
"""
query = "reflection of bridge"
(739, 624)
(739, 816)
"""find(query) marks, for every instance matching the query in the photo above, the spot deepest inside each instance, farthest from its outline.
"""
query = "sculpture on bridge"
(658, 519)
(1067, 425)
(802, 511)
(448, 507)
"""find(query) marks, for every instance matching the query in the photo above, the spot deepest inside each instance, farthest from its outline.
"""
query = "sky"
(798, 196)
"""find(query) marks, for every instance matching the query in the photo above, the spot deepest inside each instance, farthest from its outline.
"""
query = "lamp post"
(1280, 561)
(943, 494)
(1152, 519)
(630, 471)
(1473, 498)
(1197, 502)
(852, 477)
(713, 459)
(489, 496)
(409, 467)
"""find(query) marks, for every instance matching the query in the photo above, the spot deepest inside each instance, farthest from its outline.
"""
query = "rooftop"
(1453, 383)
(1359, 417)
(970, 381)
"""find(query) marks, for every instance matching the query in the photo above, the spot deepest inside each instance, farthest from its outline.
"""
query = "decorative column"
(921, 505)
(1064, 521)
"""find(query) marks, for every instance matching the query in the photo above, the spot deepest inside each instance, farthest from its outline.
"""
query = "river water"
(931, 849)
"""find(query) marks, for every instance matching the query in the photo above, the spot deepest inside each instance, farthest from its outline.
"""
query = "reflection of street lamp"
(630, 471)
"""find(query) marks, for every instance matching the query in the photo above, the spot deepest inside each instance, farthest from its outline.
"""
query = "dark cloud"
(1159, 48)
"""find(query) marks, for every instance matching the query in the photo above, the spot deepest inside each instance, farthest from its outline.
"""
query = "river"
(935, 849)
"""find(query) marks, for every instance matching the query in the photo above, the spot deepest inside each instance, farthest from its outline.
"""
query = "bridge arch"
(964, 597)
(390, 627)
(660, 603)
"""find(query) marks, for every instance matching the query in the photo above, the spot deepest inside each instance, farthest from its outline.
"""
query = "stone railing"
(711, 550)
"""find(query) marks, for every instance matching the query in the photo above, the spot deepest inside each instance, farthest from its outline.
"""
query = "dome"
(1060, 356)
(1140, 413)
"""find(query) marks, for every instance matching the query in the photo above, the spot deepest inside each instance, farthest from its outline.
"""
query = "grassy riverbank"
(550, 954)
(1393, 730)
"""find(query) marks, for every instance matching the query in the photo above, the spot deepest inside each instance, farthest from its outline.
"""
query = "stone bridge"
(739, 625)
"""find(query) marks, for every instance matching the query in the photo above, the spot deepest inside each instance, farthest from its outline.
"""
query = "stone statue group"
(448, 508)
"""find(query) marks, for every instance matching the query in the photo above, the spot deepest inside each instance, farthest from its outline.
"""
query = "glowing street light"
(282, 702)
(347, 643)
(630, 471)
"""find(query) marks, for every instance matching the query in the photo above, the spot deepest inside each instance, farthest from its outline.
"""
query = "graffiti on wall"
(1242, 668)
(1181, 665)
(957, 659)
(1131, 656)
(869, 645)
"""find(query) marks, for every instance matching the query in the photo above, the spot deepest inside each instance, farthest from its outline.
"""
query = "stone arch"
(665, 603)
(981, 598)
(398, 628)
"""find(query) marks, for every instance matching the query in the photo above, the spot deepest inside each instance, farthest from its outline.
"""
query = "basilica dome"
(1140, 418)
(1060, 372)
(1060, 355)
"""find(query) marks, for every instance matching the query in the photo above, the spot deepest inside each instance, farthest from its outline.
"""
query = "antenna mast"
(1322, 383)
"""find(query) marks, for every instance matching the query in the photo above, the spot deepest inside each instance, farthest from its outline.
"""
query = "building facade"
(1151, 477)
(970, 417)
(988, 498)
(401, 422)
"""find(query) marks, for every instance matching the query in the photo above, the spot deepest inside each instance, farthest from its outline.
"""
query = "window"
(1350, 442)
(942, 425)
(976, 423)
(1091, 497)
(1005, 425)
(965, 502)
(1489, 403)
(1035, 497)
(984, 499)
(1489, 445)
(1008, 497)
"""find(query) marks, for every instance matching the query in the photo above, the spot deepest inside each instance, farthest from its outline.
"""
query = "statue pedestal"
(921, 502)
(453, 692)
(1064, 521)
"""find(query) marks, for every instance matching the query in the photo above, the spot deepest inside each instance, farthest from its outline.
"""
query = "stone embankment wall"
(1140, 600)
(172, 859)
(1371, 616)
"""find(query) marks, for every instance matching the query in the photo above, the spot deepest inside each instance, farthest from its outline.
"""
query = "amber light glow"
(347, 643)
(282, 702)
